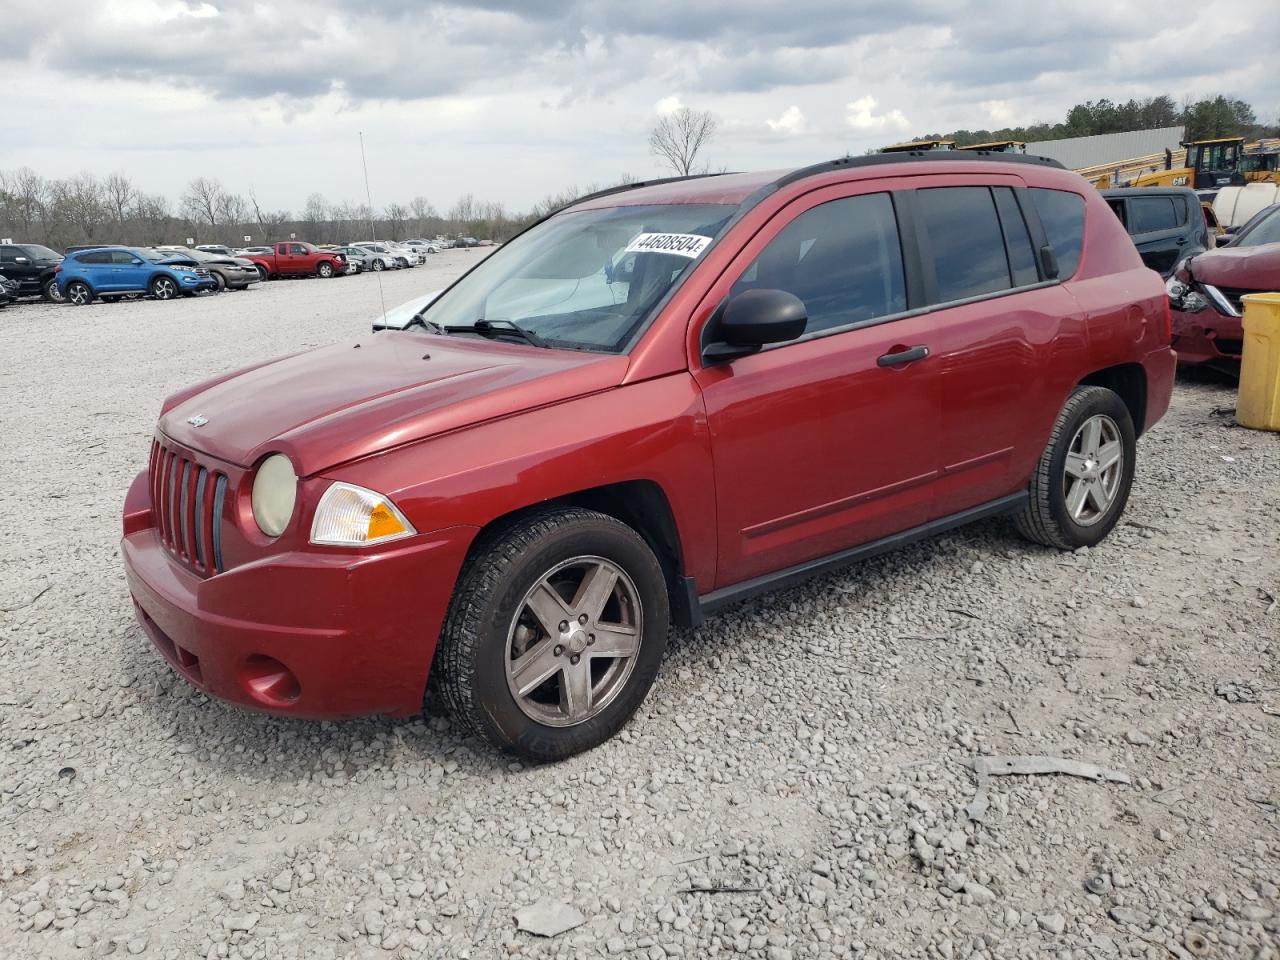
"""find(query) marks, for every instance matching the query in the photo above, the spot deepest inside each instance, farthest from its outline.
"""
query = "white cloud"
(668, 105)
(791, 123)
(861, 115)
(1000, 111)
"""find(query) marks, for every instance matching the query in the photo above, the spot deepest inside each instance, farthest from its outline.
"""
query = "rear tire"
(51, 292)
(1081, 485)
(79, 293)
(590, 671)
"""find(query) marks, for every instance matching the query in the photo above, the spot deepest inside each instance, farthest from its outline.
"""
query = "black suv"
(33, 266)
(1167, 224)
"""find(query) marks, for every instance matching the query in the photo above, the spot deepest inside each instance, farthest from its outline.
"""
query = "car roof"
(1146, 191)
(737, 188)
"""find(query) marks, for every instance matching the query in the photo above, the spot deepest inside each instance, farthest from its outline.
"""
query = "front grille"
(188, 501)
(201, 272)
(1234, 295)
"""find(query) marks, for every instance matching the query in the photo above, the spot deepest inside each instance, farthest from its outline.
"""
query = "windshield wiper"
(496, 328)
(429, 325)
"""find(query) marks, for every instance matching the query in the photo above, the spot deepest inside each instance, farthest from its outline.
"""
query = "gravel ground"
(794, 787)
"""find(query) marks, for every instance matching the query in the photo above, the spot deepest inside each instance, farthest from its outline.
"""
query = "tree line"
(113, 209)
(1204, 119)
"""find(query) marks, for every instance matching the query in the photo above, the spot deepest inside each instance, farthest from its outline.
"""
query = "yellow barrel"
(1258, 405)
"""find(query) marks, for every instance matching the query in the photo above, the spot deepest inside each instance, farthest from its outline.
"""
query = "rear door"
(829, 441)
(1158, 225)
(993, 325)
(96, 268)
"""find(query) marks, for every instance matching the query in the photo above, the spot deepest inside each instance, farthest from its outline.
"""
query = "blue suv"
(110, 272)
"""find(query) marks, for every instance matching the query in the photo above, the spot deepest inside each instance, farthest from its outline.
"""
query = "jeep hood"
(356, 398)
(1242, 268)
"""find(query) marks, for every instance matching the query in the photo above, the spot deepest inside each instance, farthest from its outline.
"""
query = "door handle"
(908, 355)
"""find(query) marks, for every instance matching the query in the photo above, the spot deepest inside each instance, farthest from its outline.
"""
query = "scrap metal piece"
(1003, 766)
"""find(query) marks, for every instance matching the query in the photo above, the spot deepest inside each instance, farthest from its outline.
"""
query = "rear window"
(966, 241)
(1151, 214)
(1062, 214)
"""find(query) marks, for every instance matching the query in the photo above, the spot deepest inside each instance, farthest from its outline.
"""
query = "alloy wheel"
(1093, 470)
(79, 294)
(573, 643)
(164, 289)
(53, 292)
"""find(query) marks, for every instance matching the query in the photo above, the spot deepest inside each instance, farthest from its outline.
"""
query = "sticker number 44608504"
(680, 244)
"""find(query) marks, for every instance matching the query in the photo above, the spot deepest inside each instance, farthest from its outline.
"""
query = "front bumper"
(1207, 336)
(320, 634)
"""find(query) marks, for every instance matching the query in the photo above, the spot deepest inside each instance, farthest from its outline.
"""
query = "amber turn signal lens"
(348, 515)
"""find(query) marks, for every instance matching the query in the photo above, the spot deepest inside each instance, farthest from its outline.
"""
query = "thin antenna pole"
(369, 206)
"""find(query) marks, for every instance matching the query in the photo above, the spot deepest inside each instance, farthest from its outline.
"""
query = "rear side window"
(1062, 214)
(842, 258)
(1151, 214)
(966, 241)
(1017, 239)
(8, 254)
(101, 256)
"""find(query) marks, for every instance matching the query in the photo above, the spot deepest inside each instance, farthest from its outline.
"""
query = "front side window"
(1062, 214)
(1263, 230)
(843, 258)
(966, 241)
(584, 279)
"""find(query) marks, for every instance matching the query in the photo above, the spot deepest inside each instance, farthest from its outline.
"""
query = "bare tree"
(422, 211)
(29, 194)
(119, 194)
(202, 201)
(82, 202)
(396, 214)
(679, 137)
(315, 214)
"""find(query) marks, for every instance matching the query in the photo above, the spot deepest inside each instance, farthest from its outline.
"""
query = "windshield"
(585, 279)
(1264, 230)
(36, 252)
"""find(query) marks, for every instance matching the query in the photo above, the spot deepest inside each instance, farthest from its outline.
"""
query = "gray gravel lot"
(794, 786)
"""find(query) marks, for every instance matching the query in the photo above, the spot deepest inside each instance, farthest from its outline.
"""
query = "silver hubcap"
(574, 641)
(1095, 463)
(326, 270)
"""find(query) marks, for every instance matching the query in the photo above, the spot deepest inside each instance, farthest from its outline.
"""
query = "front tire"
(325, 270)
(555, 633)
(79, 294)
(378, 266)
(220, 282)
(163, 288)
(262, 274)
(1082, 483)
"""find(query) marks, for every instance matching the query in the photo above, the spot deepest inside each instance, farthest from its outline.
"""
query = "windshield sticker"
(681, 244)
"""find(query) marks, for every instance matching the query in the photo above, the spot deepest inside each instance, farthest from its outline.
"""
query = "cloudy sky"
(515, 99)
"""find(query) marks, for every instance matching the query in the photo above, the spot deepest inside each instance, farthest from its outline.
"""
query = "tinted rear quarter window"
(1062, 214)
(1151, 214)
(842, 258)
(966, 241)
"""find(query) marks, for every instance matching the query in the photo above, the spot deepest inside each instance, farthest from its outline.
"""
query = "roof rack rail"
(624, 187)
(915, 156)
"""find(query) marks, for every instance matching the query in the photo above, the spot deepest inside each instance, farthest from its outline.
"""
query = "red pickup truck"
(294, 259)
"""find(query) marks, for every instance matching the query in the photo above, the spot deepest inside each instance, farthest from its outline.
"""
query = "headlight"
(1175, 288)
(275, 490)
(353, 516)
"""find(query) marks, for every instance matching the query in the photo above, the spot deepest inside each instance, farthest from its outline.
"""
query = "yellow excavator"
(1221, 162)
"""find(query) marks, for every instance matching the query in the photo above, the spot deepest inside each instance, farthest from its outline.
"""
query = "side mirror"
(752, 320)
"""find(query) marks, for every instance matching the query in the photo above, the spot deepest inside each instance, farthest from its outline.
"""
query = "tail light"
(58, 268)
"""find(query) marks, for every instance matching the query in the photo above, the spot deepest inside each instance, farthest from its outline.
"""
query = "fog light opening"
(270, 682)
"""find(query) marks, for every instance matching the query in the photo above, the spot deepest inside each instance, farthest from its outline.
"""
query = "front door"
(829, 441)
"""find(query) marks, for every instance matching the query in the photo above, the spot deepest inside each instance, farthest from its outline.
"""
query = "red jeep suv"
(655, 402)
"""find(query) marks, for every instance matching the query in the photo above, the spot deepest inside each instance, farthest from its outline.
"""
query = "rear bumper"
(1161, 370)
(321, 635)
(1207, 336)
